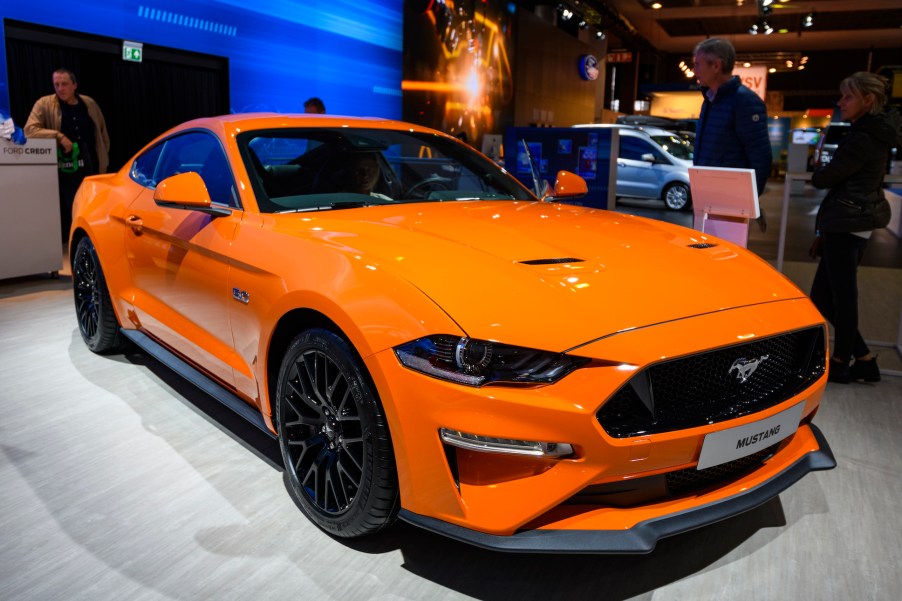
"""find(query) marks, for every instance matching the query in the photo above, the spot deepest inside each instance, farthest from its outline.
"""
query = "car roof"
(613, 125)
(651, 130)
(234, 123)
(658, 131)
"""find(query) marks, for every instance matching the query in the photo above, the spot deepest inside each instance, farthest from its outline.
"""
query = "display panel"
(584, 151)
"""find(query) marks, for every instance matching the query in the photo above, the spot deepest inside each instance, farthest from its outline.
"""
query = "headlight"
(478, 362)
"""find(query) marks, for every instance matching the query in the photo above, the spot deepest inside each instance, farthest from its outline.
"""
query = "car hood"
(551, 275)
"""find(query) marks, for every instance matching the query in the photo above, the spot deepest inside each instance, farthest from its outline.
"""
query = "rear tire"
(338, 456)
(97, 321)
(677, 197)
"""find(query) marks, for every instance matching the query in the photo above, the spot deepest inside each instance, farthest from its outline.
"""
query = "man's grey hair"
(718, 48)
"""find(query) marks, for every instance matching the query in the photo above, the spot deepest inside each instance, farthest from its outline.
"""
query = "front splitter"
(642, 537)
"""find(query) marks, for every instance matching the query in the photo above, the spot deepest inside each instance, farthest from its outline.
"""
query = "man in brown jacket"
(71, 119)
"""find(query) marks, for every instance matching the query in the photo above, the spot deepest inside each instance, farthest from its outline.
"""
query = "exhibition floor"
(121, 481)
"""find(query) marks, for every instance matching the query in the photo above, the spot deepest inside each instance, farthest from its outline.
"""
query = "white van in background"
(652, 163)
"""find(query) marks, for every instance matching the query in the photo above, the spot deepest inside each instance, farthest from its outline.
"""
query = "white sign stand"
(724, 200)
(30, 228)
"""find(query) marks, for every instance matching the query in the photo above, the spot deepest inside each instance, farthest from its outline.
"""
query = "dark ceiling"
(680, 24)
(845, 36)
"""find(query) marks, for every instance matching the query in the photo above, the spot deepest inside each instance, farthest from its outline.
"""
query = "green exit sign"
(132, 51)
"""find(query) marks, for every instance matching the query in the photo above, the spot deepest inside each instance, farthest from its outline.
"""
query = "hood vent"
(703, 245)
(552, 261)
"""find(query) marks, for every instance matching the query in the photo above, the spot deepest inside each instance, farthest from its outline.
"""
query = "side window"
(145, 165)
(633, 148)
(199, 152)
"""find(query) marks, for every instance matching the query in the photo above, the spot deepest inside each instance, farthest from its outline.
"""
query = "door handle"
(135, 223)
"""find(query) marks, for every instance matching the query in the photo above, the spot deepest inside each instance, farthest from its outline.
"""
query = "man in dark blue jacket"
(732, 126)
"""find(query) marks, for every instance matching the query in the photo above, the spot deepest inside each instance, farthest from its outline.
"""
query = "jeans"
(835, 291)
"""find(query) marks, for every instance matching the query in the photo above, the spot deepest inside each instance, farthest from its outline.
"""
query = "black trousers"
(835, 291)
(68, 186)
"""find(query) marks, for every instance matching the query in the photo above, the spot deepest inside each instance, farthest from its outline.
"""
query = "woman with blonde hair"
(853, 208)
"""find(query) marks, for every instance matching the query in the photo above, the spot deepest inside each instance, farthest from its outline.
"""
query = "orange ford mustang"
(429, 340)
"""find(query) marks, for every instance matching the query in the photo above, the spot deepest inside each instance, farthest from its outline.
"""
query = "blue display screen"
(280, 52)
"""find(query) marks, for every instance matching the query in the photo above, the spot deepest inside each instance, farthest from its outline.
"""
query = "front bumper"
(642, 537)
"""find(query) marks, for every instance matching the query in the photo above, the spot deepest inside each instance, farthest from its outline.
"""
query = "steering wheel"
(433, 182)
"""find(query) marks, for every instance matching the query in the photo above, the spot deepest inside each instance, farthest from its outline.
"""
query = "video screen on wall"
(458, 74)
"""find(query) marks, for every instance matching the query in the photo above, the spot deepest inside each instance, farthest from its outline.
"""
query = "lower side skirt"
(195, 377)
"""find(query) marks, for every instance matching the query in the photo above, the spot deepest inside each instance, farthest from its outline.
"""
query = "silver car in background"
(652, 163)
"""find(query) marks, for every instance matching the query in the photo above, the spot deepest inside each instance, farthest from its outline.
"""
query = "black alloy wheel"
(339, 462)
(96, 319)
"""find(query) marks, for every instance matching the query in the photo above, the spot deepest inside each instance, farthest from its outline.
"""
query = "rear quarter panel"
(99, 211)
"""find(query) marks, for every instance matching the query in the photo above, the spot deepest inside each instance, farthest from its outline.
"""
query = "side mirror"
(567, 185)
(648, 157)
(187, 191)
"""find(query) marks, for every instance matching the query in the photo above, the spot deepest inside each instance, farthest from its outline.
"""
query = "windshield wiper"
(356, 204)
(332, 206)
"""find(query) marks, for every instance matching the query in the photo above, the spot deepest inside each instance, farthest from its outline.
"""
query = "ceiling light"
(656, 5)
(808, 20)
(766, 3)
(772, 70)
(746, 65)
(761, 26)
(566, 14)
(599, 35)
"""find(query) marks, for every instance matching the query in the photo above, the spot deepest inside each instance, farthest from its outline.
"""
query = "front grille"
(708, 387)
(651, 489)
(691, 479)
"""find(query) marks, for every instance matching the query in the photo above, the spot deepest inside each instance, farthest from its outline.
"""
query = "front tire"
(338, 457)
(677, 197)
(97, 321)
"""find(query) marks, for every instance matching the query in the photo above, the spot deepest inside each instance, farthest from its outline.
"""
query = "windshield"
(675, 145)
(331, 168)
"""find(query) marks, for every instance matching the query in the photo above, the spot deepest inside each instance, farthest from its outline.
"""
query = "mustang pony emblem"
(746, 367)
